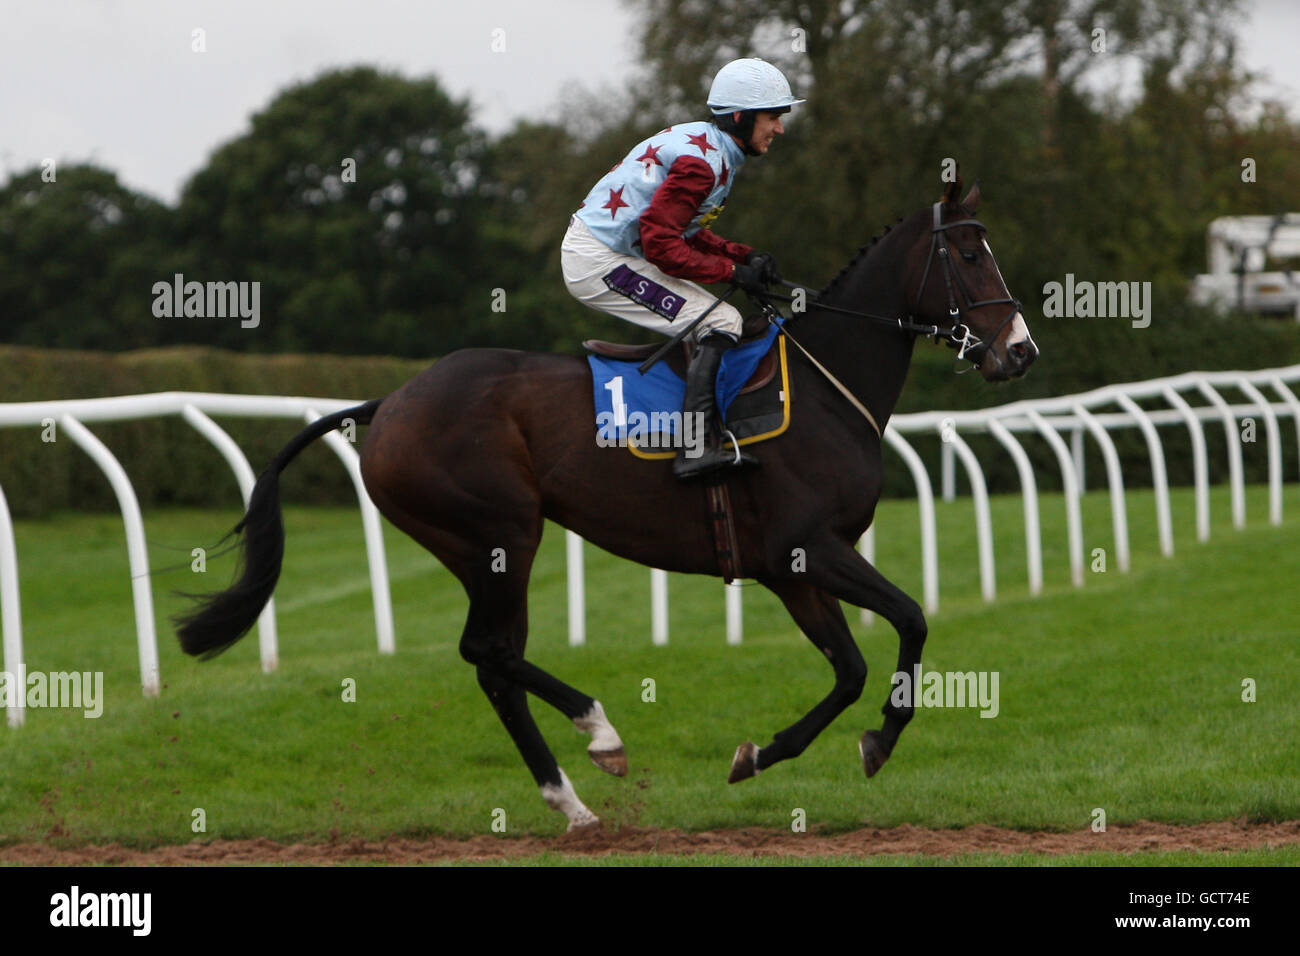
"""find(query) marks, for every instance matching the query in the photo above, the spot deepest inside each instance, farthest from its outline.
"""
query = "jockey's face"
(767, 126)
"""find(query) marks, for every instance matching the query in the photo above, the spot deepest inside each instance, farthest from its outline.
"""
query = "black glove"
(766, 263)
(749, 278)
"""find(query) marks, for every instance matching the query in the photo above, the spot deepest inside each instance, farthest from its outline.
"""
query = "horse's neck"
(869, 357)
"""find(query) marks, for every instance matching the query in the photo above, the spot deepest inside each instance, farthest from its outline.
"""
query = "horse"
(473, 455)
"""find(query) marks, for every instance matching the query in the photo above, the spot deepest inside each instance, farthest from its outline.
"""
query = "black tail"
(219, 620)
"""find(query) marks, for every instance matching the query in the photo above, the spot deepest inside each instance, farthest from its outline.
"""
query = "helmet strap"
(743, 130)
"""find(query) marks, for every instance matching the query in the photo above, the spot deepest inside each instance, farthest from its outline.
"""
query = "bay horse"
(471, 457)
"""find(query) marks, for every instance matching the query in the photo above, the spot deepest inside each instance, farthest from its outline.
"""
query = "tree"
(78, 255)
(357, 200)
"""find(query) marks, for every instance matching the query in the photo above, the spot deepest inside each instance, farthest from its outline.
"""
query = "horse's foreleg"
(819, 616)
(851, 577)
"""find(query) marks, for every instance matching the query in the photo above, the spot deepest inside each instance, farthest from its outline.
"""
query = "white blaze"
(1019, 328)
(1019, 332)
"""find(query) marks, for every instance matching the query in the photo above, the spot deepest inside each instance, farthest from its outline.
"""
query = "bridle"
(969, 346)
(960, 335)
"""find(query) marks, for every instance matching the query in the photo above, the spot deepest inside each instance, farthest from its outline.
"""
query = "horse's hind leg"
(588, 714)
(496, 632)
(511, 704)
(495, 635)
(819, 616)
(487, 536)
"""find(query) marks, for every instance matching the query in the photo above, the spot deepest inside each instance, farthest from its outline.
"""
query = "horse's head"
(954, 283)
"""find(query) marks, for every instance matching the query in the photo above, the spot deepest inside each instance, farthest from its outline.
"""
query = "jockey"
(642, 235)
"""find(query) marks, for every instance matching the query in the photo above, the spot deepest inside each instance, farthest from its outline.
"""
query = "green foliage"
(77, 259)
(356, 200)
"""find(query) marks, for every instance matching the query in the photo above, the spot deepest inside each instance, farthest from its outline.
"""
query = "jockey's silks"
(613, 208)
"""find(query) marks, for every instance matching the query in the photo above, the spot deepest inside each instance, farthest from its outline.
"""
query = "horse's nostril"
(1020, 355)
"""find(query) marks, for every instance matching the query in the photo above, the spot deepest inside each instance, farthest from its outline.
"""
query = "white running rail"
(1083, 415)
(70, 417)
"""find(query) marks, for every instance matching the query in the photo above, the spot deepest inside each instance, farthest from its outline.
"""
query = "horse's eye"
(970, 256)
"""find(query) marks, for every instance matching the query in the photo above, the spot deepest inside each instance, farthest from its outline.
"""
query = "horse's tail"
(219, 620)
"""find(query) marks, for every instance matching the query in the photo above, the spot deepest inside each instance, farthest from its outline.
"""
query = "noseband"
(960, 336)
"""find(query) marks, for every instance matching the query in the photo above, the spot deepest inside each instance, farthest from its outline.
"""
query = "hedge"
(169, 463)
(167, 460)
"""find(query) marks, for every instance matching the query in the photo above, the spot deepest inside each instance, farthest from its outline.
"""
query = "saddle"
(755, 327)
(759, 410)
(679, 359)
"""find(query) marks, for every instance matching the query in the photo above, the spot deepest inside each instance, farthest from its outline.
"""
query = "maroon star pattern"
(701, 142)
(615, 201)
(726, 173)
(651, 155)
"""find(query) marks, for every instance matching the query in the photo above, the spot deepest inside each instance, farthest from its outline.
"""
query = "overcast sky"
(116, 82)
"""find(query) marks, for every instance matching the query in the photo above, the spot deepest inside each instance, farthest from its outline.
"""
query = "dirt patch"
(752, 841)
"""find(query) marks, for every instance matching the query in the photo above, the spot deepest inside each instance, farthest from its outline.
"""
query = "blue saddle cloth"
(649, 400)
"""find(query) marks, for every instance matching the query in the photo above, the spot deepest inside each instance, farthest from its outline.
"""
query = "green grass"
(1123, 695)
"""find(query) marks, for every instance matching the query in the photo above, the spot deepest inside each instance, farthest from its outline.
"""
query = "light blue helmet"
(750, 84)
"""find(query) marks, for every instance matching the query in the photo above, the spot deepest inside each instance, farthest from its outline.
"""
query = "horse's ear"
(952, 191)
(972, 199)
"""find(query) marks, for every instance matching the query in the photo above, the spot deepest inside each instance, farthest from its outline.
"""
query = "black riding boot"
(701, 381)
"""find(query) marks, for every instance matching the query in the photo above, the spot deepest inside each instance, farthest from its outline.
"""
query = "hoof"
(873, 752)
(589, 824)
(743, 765)
(610, 761)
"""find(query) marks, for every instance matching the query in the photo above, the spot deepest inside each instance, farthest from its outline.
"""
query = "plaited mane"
(839, 277)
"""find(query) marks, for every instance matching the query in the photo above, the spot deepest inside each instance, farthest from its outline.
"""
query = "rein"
(844, 390)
